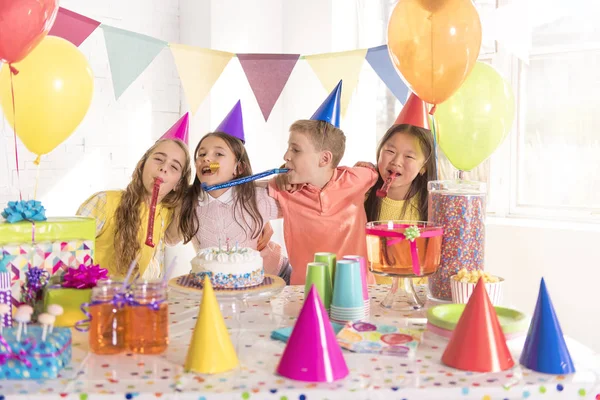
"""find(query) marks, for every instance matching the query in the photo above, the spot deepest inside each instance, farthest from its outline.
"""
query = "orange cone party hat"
(414, 113)
(478, 343)
(211, 350)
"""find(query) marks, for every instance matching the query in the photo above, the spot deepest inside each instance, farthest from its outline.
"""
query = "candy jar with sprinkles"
(458, 206)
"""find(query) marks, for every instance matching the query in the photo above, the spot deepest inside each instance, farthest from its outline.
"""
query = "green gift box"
(70, 300)
(52, 245)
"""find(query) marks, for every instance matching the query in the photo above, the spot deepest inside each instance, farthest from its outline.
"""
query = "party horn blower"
(312, 353)
(545, 349)
(211, 350)
(386, 186)
(214, 167)
(478, 343)
(152, 212)
(245, 179)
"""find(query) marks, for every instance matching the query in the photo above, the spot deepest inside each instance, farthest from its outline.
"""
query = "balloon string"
(435, 144)
(37, 179)
(14, 71)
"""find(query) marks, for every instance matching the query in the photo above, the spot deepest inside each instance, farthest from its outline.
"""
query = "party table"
(250, 323)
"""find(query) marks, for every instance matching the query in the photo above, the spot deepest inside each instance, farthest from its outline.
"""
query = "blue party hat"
(545, 349)
(329, 111)
(233, 124)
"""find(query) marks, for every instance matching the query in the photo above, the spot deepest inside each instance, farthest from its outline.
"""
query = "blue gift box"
(32, 358)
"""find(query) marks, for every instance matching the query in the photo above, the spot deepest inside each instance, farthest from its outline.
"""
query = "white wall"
(103, 151)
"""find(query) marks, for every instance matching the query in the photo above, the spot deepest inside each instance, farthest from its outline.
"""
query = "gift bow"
(83, 277)
(30, 210)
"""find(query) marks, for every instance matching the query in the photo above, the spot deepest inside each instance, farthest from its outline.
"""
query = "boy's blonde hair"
(323, 136)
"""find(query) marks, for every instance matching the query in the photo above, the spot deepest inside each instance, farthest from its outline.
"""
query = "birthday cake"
(228, 269)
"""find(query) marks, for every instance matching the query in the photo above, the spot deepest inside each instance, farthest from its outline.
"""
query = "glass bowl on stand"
(403, 250)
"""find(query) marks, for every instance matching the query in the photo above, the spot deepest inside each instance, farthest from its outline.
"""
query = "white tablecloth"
(130, 376)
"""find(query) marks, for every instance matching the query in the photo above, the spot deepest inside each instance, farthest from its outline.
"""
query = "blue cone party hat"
(545, 349)
(233, 123)
(329, 111)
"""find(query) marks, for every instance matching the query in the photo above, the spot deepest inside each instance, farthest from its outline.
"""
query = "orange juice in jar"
(107, 324)
(148, 318)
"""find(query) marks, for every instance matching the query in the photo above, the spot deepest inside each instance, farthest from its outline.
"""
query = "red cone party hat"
(312, 353)
(478, 343)
(414, 113)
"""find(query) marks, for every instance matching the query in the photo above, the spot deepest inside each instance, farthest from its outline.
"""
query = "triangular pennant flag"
(198, 70)
(379, 59)
(129, 54)
(211, 350)
(331, 67)
(267, 75)
(478, 343)
(545, 349)
(72, 26)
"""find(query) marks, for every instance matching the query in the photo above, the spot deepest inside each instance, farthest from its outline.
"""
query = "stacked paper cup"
(363, 277)
(347, 303)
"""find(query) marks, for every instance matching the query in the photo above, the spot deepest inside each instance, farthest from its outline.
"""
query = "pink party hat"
(179, 130)
(312, 353)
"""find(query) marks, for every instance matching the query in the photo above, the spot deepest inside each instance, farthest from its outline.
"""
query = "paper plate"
(446, 316)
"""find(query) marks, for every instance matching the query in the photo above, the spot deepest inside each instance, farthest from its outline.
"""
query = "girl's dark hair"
(418, 185)
(245, 194)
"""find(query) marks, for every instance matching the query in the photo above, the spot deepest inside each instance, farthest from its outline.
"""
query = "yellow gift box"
(70, 300)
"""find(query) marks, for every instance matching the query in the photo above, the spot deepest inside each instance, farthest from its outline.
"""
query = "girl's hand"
(283, 183)
(265, 237)
(366, 164)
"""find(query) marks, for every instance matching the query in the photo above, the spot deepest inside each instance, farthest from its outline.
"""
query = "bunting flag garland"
(129, 54)
(379, 59)
(198, 70)
(72, 26)
(267, 75)
(331, 67)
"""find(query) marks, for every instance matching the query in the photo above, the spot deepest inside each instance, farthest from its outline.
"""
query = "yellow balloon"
(52, 92)
(474, 121)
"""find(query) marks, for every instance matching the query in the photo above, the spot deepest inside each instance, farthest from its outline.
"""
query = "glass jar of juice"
(107, 324)
(148, 318)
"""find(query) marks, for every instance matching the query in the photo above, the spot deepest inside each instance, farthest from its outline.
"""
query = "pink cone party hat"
(312, 353)
(179, 130)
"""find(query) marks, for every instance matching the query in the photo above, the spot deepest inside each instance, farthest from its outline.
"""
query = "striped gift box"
(5, 296)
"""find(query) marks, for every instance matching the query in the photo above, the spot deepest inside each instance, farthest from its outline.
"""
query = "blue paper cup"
(347, 286)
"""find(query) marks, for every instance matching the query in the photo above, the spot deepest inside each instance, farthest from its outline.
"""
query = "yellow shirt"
(102, 206)
(392, 210)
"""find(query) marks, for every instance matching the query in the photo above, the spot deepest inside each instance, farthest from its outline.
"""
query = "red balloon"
(23, 25)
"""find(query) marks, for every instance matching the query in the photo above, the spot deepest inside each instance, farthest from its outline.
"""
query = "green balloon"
(476, 119)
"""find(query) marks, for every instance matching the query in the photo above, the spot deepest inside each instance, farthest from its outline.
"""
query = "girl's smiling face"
(214, 149)
(402, 156)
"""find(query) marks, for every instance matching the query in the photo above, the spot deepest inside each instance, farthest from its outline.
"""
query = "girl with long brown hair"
(122, 215)
(236, 215)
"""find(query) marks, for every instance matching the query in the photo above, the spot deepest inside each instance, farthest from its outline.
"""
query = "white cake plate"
(270, 286)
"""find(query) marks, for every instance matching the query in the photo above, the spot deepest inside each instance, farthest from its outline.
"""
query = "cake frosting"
(234, 268)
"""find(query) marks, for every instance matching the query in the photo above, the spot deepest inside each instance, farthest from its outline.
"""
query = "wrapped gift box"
(70, 300)
(59, 243)
(33, 358)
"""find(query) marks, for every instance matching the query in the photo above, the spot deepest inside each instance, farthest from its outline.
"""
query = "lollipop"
(150, 230)
(22, 319)
(55, 310)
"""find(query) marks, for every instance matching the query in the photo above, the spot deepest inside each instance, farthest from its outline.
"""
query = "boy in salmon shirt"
(326, 213)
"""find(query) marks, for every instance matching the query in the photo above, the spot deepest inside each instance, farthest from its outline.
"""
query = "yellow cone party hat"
(211, 350)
